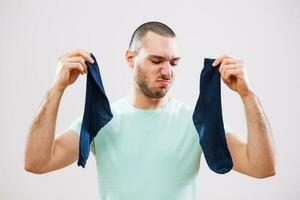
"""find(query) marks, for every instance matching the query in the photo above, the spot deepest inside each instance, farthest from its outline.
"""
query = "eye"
(174, 63)
(156, 62)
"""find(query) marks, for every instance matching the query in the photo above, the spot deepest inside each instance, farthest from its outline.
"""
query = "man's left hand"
(233, 74)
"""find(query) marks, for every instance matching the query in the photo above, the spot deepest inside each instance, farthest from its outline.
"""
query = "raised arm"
(256, 156)
(44, 153)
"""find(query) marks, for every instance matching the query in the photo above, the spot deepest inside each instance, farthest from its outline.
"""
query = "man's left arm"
(255, 157)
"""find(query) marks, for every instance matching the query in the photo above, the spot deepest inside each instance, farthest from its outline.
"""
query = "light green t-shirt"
(147, 154)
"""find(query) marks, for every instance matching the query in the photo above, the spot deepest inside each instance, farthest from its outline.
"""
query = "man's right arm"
(44, 153)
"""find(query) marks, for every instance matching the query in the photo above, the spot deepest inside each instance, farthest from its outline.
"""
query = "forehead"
(156, 44)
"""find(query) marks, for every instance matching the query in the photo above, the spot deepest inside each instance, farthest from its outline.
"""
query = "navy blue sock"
(97, 111)
(208, 120)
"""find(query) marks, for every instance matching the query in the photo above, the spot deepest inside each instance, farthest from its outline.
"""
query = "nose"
(167, 71)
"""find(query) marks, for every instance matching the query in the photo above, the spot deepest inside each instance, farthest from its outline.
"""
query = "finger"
(79, 52)
(229, 67)
(223, 67)
(233, 72)
(225, 81)
(78, 59)
(76, 66)
(229, 61)
(223, 71)
(219, 59)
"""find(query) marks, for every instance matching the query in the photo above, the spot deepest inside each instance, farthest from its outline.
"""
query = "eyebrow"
(163, 58)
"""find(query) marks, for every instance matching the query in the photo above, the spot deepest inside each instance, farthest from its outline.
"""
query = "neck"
(141, 101)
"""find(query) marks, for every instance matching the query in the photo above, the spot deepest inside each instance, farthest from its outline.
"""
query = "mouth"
(164, 82)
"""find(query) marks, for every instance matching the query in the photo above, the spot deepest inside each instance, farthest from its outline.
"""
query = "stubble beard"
(143, 83)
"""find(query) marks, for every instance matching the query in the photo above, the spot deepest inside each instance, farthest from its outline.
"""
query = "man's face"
(154, 66)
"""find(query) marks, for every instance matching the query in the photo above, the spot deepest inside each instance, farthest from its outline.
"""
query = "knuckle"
(77, 50)
(81, 59)
(226, 60)
(224, 55)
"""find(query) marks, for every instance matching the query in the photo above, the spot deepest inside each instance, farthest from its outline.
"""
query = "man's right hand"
(69, 66)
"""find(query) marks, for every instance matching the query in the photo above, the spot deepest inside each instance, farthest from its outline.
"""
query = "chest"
(148, 148)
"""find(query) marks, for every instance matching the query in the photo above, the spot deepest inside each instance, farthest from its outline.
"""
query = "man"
(150, 149)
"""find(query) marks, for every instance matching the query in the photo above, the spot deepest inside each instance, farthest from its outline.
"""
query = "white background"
(265, 34)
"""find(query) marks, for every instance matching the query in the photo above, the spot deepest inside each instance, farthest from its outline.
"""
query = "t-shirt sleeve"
(227, 129)
(76, 126)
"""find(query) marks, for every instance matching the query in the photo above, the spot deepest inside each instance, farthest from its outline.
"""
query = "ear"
(130, 55)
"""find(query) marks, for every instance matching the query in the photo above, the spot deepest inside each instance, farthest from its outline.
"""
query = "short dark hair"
(154, 26)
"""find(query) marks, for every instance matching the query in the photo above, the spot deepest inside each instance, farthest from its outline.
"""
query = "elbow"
(264, 169)
(33, 168)
(265, 176)
(35, 165)
(266, 173)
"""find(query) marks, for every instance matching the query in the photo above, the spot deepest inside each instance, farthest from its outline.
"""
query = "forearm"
(41, 134)
(260, 146)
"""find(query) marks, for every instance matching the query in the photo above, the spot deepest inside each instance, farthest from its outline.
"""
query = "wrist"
(57, 88)
(248, 96)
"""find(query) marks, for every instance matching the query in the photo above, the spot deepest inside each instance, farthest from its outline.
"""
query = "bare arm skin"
(256, 156)
(44, 152)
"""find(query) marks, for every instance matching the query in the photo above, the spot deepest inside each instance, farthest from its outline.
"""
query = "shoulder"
(181, 112)
(119, 106)
(182, 107)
